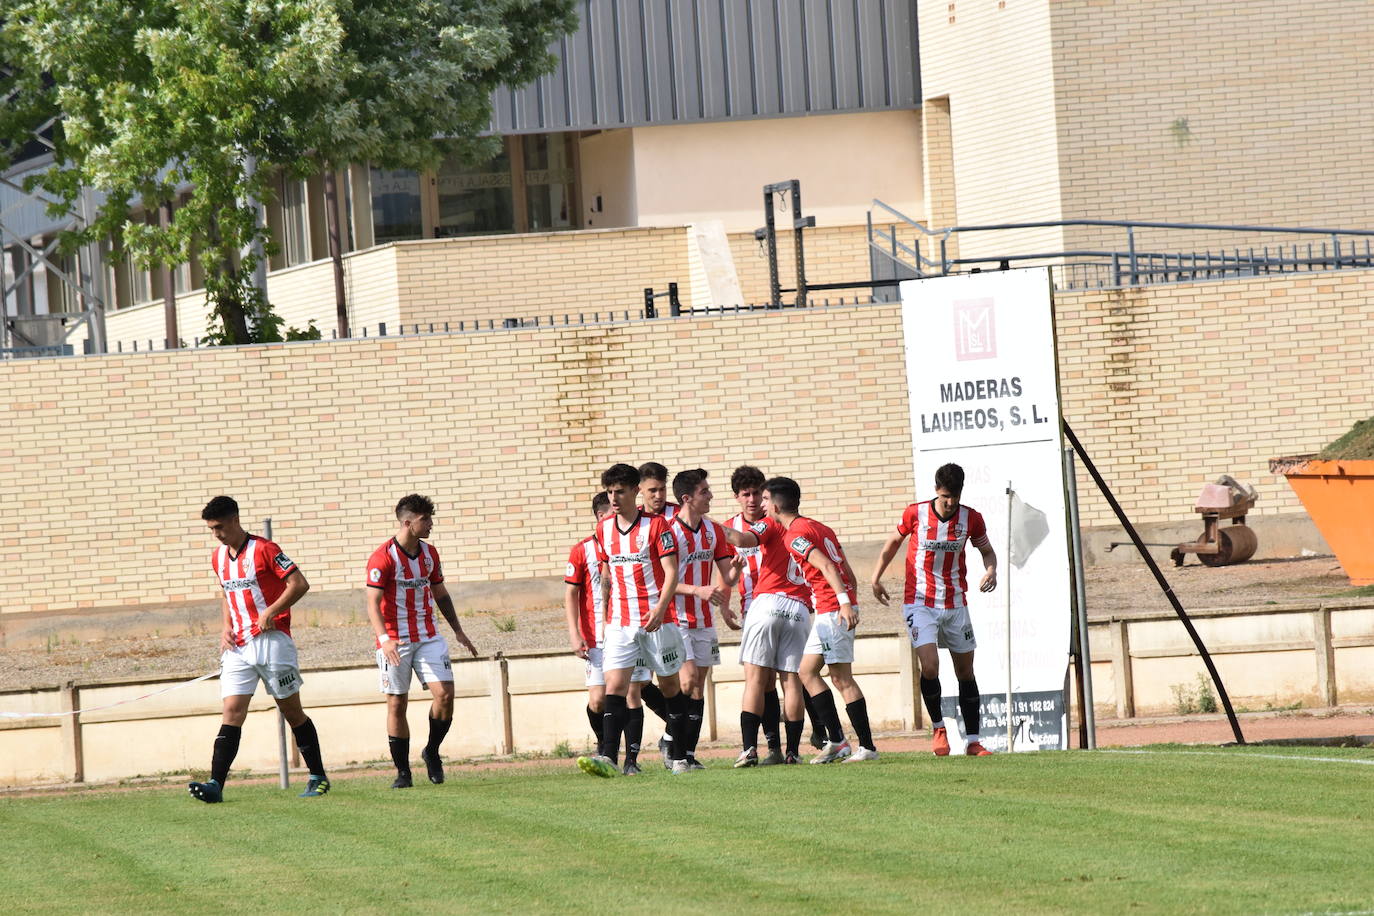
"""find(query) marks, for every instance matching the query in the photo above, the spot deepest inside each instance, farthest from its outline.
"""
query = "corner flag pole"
(284, 776)
(1007, 589)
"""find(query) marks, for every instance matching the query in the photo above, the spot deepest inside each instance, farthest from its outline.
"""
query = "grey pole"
(1080, 600)
(282, 757)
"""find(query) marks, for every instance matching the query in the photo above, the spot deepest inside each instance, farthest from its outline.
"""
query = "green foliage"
(1355, 445)
(1221, 831)
(1189, 700)
(504, 624)
(223, 95)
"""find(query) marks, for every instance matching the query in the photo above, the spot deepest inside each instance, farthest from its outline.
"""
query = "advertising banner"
(980, 358)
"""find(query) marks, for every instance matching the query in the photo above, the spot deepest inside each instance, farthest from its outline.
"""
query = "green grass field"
(1244, 830)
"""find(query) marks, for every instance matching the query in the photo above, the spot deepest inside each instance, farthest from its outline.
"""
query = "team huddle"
(643, 593)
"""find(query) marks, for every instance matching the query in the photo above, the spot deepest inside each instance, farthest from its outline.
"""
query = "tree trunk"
(331, 221)
(227, 293)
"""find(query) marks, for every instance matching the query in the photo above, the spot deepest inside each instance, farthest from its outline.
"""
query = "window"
(475, 200)
(549, 181)
(396, 206)
(295, 234)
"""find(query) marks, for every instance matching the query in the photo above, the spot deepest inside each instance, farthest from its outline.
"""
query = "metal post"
(648, 302)
(1006, 584)
(283, 758)
(799, 223)
(1080, 590)
(674, 303)
(944, 255)
(770, 230)
(1130, 249)
(169, 285)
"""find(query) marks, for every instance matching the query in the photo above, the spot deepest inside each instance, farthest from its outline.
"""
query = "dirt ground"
(1111, 589)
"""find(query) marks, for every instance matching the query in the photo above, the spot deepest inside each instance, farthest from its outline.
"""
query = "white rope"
(77, 712)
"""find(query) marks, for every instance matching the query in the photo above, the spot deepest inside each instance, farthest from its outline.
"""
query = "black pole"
(1159, 577)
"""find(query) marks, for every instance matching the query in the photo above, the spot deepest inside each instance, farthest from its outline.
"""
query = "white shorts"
(831, 639)
(597, 678)
(703, 646)
(269, 657)
(662, 651)
(775, 633)
(428, 659)
(949, 628)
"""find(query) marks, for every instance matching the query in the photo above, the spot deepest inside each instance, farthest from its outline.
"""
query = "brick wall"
(1250, 112)
(106, 461)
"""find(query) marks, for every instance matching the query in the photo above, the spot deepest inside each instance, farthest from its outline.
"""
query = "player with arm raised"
(639, 556)
(405, 582)
(260, 585)
(704, 564)
(831, 644)
(585, 606)
(934, 605)
(778, 624)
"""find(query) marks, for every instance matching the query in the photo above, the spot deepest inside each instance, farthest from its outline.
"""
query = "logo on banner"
(975, 333)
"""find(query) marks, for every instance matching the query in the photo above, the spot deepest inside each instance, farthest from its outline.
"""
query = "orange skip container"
(1339, 498)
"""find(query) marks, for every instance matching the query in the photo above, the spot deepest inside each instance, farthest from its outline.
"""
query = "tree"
(149, 96)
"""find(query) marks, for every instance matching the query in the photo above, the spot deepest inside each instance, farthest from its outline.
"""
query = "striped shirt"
(697, 553)
(634, 557)
(252, 579)
(936, 569)
(584, 571)
(406, 581)
(804, 536)
(753, 559)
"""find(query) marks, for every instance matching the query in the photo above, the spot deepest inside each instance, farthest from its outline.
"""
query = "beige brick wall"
(1250, 112)
(990, 65)
(508, 431)
(834, 254)
(555, 273)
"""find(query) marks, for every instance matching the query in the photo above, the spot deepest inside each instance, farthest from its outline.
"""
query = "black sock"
(696, 711)
(969, 706)
(930, 692)
(816, 724)
(308, 743)
(438, 728)
(634, 733)
(400, 754)
(655, 700)
(828, 715)
(226, 749)
(613, 726)
(772, 716)
(677, 727)
(594, 720)
(858, 717)
(794, 730)
(749, 729)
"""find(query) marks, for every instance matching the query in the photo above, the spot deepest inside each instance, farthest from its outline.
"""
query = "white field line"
(1245, 756)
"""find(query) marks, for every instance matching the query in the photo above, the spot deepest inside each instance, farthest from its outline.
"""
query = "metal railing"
(1274, 250)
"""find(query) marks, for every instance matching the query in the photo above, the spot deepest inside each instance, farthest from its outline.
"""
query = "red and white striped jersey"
(779, 573)
(670, 511)
(697, 553)
(805, 535)
(252, 579)
(634, 557)
(406, 584)
(584, 571)
(936, 569)
(753, 557)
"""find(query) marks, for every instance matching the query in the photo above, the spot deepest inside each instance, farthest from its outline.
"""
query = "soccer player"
(704, 555)
(653, 491)
(585, 605)
(404, 583)
(778, 624)
(832, 637)
(260, 586)
(934, 604)
(747, 483)
(639, 556)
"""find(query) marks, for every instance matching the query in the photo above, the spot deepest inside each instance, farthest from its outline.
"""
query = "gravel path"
(1111, 589)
